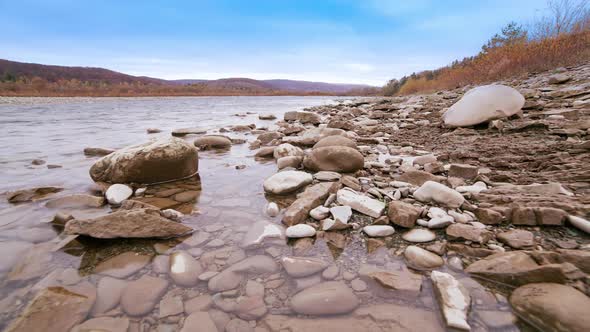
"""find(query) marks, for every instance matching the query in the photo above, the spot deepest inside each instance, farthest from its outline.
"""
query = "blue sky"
(342, 41)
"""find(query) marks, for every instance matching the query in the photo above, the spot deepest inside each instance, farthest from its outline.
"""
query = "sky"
(338, 41)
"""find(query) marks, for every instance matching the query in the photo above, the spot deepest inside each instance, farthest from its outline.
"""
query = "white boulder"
(482, 104)
(117, 193)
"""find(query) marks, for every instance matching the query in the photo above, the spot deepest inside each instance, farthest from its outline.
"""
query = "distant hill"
(281, 84)
(54, 73)
(19, 78)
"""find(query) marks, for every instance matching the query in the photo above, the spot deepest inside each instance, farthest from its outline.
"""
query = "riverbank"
(379, 209)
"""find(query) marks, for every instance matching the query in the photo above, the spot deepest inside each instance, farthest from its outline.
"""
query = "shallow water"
(231, 200)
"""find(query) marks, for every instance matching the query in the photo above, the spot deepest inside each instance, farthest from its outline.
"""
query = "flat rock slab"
(137, 223)
(56, 309)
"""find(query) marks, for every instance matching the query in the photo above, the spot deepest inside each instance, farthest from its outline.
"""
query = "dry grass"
(505, 62)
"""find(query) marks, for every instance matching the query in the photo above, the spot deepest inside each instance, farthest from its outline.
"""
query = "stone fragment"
(312, 196)
(453, 298)
(403, 214)
(469, 232)
(360, 203)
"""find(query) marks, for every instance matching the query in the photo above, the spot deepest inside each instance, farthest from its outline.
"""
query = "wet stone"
(302, 266)
(136, 301)
(184, 269)
(123, 265)
(327, 298)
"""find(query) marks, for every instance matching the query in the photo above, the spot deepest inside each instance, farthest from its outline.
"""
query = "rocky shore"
(459, 210)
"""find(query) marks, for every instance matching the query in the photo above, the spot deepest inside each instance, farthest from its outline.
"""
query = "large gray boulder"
(482, 104)
(155, 161)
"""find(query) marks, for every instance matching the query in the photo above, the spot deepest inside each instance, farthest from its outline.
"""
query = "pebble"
(378, 230)
(418, 235)
(358, 285)
(117, 193)
(299, 231)
(272, 209)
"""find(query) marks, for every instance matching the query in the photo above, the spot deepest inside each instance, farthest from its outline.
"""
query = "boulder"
(162, 160)
(328, 298)
(212, 142)
(335, 141)
(334, 158)
(287, 182)
(312, 196)
(439, 193)
(552, 307)
(403, 214)
(360, 203)
(136, 223)
(483, 104)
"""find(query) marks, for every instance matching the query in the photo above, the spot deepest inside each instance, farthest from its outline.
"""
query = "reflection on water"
(228, 207)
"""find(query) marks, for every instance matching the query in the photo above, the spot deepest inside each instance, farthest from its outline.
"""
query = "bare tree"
(565, 16)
